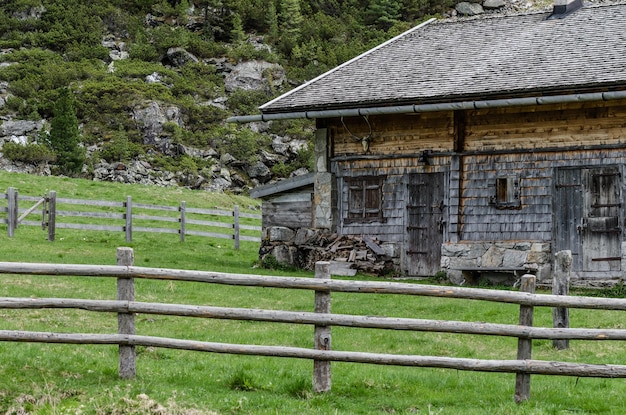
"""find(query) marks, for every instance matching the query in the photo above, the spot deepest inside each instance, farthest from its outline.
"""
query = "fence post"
(13, 211)
(52, 214)
(129, 219)
(524, 346)
(560, 286)
(322, 335)
(44, 210)
(183, 208)
(236, 226)
(126, 321)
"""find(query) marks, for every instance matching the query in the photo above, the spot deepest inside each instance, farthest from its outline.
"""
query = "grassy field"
(69, 379)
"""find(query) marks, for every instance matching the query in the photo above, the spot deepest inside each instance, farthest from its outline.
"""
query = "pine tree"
(384, 13)
(272, 21)
(64, 137)
(290, 18)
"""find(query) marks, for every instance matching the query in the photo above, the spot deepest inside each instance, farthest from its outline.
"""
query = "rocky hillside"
(153, 83)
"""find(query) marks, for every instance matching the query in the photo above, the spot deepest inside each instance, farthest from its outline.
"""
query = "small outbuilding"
(476, 146)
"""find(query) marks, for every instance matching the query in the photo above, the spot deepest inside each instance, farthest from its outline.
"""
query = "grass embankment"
(69, 379)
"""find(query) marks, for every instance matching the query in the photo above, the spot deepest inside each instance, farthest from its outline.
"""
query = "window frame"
(507, 192)
(365, 199)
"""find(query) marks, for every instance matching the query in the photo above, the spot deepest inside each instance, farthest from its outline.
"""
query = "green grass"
(48, 379)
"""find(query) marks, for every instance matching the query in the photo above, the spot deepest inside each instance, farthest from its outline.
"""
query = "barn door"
(588, 217)
(425, 211)
(600, 227)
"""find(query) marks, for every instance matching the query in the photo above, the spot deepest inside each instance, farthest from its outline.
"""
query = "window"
(507, 193)
(365, 199)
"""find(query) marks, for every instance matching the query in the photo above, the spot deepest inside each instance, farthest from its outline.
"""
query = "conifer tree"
(384, 13)
(64, 137)
(290, 18)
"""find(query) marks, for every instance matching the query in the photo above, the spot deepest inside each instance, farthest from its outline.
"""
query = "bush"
(243, 102)
(31, 153)
(243, 144)
(121, 148)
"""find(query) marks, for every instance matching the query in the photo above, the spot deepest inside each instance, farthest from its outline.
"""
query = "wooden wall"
(531, 142)
(476, 148)
(289, 209)
(550, 126)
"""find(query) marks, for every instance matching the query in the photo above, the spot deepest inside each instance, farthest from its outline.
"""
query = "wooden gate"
(425, 223)
(588, 217)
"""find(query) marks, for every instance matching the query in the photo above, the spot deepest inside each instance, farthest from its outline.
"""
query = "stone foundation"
(534, 256)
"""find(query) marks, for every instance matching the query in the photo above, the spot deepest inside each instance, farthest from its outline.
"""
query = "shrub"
(243, 144)
(32, 153)
(121, 148)
(244, 102)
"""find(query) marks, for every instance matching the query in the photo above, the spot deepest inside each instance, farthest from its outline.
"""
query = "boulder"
(179, 57)
(469, 9)
(494, 4)
(259, 171)
(254, 75)
(150, 119)
(19, 127)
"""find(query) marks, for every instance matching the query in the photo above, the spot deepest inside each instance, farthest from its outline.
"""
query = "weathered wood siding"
(550, 126)
(396, 144)
(531, 143)
(292, 210)
(478, 150)
(394, 135)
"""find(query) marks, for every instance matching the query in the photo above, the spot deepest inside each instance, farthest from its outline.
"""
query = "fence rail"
(322, 320)
(127, 217)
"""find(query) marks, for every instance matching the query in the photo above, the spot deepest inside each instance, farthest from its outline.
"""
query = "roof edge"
(443, 106)
(296, 89)
(283, 186)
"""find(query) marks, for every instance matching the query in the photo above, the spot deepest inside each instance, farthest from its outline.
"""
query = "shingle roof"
(447, 61)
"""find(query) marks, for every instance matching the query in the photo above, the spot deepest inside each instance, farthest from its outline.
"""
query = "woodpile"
(348, 254)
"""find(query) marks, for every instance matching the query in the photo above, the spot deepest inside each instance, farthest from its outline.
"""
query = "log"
(371, 287)
(126, 321)
(524, 345)
(536, 367)
(560, 286)
(322, 333)
(297, 317)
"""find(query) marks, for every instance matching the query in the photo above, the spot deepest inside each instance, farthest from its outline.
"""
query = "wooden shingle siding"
(481, 221)
(550, 126)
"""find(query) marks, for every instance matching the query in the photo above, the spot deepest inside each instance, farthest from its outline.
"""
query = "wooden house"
(478, 145)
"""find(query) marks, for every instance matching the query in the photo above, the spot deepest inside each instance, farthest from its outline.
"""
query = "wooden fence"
(322, 320)
(126, 216)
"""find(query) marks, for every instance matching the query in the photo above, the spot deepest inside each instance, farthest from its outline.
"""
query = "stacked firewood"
(348, 254)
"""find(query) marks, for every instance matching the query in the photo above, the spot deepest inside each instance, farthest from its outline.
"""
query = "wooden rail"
(322, 320)
(128, 217)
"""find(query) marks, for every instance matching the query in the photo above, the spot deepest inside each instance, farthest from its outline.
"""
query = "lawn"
(70, 379)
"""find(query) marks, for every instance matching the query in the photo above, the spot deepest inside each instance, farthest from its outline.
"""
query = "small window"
(365, 199)
(507, 193)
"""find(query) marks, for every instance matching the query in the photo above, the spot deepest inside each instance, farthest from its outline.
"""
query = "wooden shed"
(478, 146)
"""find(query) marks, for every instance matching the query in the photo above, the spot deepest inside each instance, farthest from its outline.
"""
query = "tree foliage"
(64, 137)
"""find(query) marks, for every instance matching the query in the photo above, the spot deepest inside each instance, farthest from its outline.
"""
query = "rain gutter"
(444, 106)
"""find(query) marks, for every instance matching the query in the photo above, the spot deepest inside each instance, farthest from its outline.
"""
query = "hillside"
(152, 82)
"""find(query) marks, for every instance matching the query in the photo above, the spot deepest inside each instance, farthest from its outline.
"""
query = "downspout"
(446, 106)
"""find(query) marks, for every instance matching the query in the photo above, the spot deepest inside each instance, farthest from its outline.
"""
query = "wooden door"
(588, 217)
(425, 223)
(600, 228)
